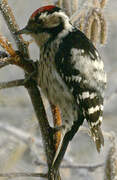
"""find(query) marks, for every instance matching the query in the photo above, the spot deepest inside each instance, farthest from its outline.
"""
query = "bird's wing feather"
(80, 66)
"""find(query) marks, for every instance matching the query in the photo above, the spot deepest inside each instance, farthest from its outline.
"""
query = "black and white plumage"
(71, 73)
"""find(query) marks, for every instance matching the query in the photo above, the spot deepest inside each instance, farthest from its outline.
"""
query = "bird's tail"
(66, 138)
(60, 151)
(97, 136)
(58, 156)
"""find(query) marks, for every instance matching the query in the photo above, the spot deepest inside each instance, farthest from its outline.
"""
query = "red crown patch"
(43, 9)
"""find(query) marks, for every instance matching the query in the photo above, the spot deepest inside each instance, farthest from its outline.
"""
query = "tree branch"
(13, 27)
(10, 84)
(7, 45)
(15, 57)
(46, 130)
(20, 174)
(89, 167)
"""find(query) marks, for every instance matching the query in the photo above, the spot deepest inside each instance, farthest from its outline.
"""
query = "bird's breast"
(55, 89)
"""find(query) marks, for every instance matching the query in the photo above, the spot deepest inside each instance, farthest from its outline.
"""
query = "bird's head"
(46, 22)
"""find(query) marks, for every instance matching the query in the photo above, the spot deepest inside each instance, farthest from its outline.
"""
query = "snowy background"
(18, 124)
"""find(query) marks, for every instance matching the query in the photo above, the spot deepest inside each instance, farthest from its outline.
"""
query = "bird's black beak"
(23, 31)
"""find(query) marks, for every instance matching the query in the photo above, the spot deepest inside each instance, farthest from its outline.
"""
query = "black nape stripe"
(56, 9)
(51, 11)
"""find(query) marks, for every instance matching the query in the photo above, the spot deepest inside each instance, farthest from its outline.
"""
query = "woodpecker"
(71, 73)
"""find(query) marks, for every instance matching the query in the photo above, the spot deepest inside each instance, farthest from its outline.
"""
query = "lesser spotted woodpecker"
(71, 73)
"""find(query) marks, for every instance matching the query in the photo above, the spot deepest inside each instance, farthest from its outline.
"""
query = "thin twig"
(103, 3)
(103, 33)
(89, 167)
(74, 6)
(13, 27)
(20, 174)
(7, 45)
(67, 7)
(95, 29)
(21, 44)
(76, 16)
(96, 3)
(80, 23)
(29, 66)
(10, 84)
(88, 24)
